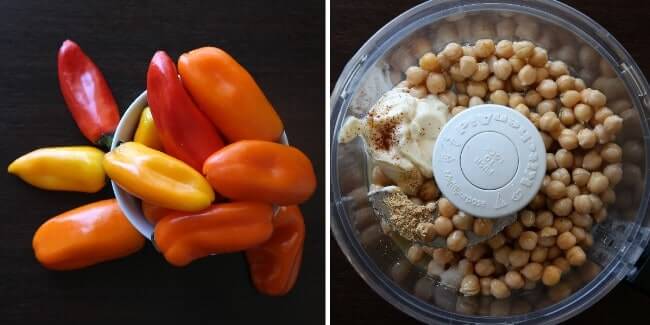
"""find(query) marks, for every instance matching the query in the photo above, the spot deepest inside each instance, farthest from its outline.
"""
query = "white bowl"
(131, 205)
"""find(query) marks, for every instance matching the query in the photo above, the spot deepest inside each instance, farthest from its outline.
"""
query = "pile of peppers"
(204, 161)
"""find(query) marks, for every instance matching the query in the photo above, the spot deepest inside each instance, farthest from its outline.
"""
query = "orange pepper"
(275, 264)
(221, 228)
(228, 95)
(85, 236)
(154, 213)
(252, 170)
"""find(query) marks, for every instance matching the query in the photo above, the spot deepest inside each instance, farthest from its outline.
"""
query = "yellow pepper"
(76, 169)
(158, 178)
(146, 133)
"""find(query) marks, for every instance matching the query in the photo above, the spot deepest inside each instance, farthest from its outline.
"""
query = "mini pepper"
(221, 228)
(87, 94)
(84, 236)
(72, 168)
(261, 171)
(157, 178)
(146, 133)
(275, 263)
(228, 95)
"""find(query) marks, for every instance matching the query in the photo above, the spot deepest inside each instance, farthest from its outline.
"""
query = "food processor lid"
(489, 161)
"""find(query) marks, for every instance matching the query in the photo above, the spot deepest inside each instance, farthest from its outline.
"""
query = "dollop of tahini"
(400, 131)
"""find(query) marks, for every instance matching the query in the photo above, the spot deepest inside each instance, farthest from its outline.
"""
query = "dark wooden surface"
(353, 22)
(280, 42)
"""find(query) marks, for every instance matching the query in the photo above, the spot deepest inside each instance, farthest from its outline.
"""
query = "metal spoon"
(378, 199)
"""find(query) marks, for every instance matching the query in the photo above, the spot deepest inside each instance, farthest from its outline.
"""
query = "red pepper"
(87, 94)
(184, 131)
(275, 264)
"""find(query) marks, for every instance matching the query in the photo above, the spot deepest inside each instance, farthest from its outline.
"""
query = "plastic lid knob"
(489, 161)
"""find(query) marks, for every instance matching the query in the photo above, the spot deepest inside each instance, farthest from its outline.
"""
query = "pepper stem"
(105, 141)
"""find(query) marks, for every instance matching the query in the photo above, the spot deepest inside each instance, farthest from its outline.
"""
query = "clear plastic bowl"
(593, 54)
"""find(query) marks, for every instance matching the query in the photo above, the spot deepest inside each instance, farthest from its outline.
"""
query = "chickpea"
(547, 88)
(523, 49)
(462, 100)
(562, 207)
(522, 109)
(502, 255)
(539, 254)
(613, 124)
(457, 110)
(442, 256)
(475, 88)
(614, 173)
(435, 269)
(456, 241)
(592, 160)
(527, 218)
(496, 242)
(532, 98)
(485, 285)
(532, 271)
(580, 84)
(453, 51)
(564, 158)
(593, 97)
(572, 191)
(474, 253)
(462, 221)
(570, 98)
(514, 280)
(418, 91)
(611, 152)
(484, 48)
(582, 204)
(429, 191)
(465, 267)
(484, 267)
(565, 83)
(429, 62)
(469, 285)
(583, 112)
(562, 224)
(467, 66)
(579, 233)
(415, 254)
(546, 105)
(588, 241)
(416, 75)
(581, 220)
(504, 49)
(598, 183)
(426, 231)
(538, 201)
(515, 99)
(475, 100)
(587, 138)
(608, 197)
(562, 175)
(542, 73)
(549, 122)
(445, 208)
(499, 97)
(551, 275)
(539, 57)
(449, 98)
(543, 219)
(555, 190)
(567, 117)
(513, 231)
(443, 62)
(482, 72)
(528, 240)
(516, 63)
(566, 240)
(576, 256)
(568, 139)
(601, 114)
(502, 69)
(436, 83)
(518, 257)
(527, 75)
(495, 83)
(443, 226)
(499, 289)
(548, 141)
(547, 232)
(482, 227)
(557, 69)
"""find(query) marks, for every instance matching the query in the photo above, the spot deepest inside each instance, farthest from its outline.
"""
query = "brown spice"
(406, 216)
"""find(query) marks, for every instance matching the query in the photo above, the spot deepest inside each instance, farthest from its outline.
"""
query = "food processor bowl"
(592, 54)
